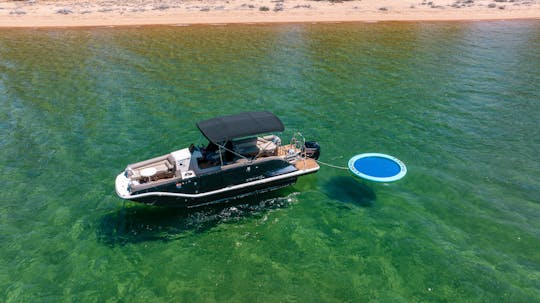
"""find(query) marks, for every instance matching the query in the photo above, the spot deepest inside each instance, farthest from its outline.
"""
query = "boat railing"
(298, 142)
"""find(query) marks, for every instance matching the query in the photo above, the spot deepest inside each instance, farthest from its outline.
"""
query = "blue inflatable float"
(377, 167)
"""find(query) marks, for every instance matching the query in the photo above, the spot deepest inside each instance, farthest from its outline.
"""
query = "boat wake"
(136, 224)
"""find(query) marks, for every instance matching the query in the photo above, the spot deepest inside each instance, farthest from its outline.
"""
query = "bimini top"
(226, 128)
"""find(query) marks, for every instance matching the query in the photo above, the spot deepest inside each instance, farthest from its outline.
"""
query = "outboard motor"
(312, 149)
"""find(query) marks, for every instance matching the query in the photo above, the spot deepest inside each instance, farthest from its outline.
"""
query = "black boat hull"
(220, 197)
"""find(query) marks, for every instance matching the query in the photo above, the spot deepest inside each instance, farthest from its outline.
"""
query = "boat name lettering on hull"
(254, 178)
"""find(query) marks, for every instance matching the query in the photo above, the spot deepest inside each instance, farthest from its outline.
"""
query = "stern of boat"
(307, 165)
(303, 155)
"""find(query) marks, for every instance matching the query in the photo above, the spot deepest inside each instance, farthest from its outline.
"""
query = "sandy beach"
(70, 13)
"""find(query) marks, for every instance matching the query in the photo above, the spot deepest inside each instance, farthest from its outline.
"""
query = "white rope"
(330, 165)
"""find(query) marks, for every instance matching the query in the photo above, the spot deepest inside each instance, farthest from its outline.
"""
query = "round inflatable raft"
(377, 167)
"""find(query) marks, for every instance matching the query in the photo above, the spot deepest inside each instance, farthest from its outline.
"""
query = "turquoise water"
(457, 102)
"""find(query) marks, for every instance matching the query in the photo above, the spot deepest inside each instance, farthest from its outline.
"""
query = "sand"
(70, 13)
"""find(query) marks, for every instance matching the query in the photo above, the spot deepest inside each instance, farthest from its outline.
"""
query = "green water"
(459, 103)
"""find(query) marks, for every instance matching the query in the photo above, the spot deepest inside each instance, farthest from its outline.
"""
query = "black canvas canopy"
(226, 128)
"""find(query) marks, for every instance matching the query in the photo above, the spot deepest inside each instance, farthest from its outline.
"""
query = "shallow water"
(457, 102)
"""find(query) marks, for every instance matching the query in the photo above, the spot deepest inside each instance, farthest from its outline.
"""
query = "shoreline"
(76, 14)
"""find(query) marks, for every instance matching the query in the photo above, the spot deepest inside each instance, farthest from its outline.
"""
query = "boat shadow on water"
(350, 191)
(140, 223)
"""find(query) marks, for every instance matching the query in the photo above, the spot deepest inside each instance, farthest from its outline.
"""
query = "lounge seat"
(268, 145)
(153, 171)
(246, 147)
